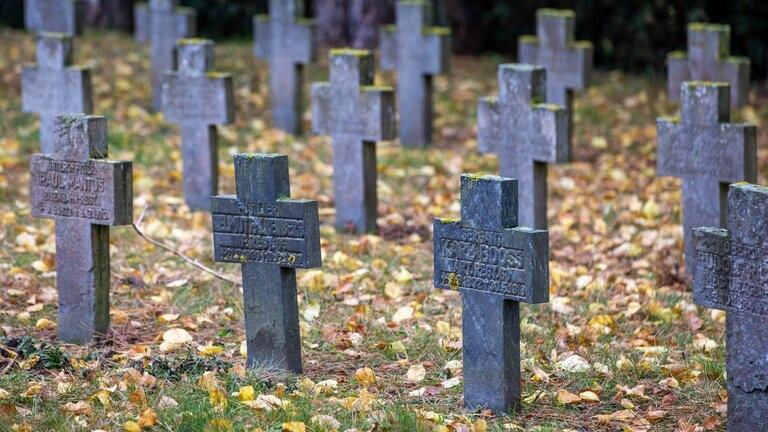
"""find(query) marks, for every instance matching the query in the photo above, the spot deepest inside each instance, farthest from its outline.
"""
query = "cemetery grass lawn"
(621, 346)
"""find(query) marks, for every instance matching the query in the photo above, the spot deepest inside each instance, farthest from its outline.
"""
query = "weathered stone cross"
(271, 235)
(708, 153)
(355, 114)
(198, 99)
(708, 59)
(732, 275)
(55, 16)
(418, 52)
(526, 135)
(54, 86)
(163, 23)
(86, 194)
(288, 44)
(495, 264)
(568, 62)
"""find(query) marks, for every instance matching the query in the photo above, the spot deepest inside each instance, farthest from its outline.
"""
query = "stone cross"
(418, 52)
(732, 275)
(708, 153)
(496, 265)
(141, 23)
(86, 194)
(526, 135)
(271, 235)
(708, 59)
(54, 86)
(568, 62)
(163, 23)
(55, 16)
(289, 44)
(356, 115)
(198, 99)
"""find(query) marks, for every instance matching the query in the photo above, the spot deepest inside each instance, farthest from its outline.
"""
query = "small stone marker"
(271, 235)
(288, 44)
(526, 135)
(708, 153)
(198, 99)
(495, 264)
(86, 194)
(732, 275)
(55, 16)
(163, 23)
(568, 62)
(708, 59)
(54, 86)
(418, 52)
(356, 115)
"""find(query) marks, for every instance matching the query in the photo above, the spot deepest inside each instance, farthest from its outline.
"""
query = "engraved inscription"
(703, 150)
(70, 189)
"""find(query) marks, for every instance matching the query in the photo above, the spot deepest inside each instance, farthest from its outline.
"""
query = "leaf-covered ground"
(621, 346)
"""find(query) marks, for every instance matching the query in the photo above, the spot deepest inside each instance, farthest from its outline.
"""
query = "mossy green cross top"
(496, 265)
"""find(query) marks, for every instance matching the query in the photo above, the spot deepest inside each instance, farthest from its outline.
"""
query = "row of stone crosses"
(488, 255)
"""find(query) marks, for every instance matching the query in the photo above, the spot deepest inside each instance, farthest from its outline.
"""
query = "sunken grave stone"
(55, 16)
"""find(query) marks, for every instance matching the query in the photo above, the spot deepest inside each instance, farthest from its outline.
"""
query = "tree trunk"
(114, 14)
(353, 23)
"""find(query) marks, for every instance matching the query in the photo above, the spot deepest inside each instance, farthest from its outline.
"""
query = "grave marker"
(289, 42)
(163, 23)
(141, 23)
(731, 275)
(356, 115)
(55, 16)
(198, 100)
(708, 153)
(271, 235)
(526, 135)
(568, 62)
(86, 194)
(496, 265)
(708, 59)
(417, 52)
(54, 86)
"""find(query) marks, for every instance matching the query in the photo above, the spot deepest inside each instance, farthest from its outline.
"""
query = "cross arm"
(513, 263)
(388, 47)
(489, 125)
(550, 127)
(711, 280)
(678, 71)
(378, 116)
(321, 108)
(70, 93)
(669, 133)
(99, 192)
(737, 70)
(301, 42)
(262, 36)
(437, 44)
(141, 17)
(739, 161)
(528, 47)
(582, 55)
(182, 97)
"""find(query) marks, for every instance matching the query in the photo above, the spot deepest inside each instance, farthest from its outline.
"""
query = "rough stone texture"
(708, 59)
(708, 153)
(55, 16)
(288, 44)
(730, 275)
(198, 99)
(163, 24)
(568, 62)
(526, 135)
(418, 52)
(54, 86)
(85, 194)
(271, 235)
(495, 264)
(355, 114)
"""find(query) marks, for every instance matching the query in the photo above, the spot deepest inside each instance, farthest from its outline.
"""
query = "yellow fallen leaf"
(218, 400)
(294, 427)
(131, 426)
(574, 363)
(565, 397)
(264, 403)
(365, 376)
(208, 381)
(177, 336)
(4, 394)
(622, 415)
(589, 396)
(147, 418)
(403, 314)
(167, 318)
(44, 323)
(325, 422)
(393, 290)
(104, 397)
(402, 275)
(246, 394)
(219, 425)
(32, 391)
(416, 373)
(80, 408)
(209, 350)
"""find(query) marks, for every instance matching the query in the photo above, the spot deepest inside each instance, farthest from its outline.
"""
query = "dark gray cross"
(86, 194)
(568, 62)
(288, 44)
(526, 135)
(732, 275)
(356, 114)
(496, 265)
(418, 52)
(54, 86)
(271, 235)
(708, 59)
(55, 16)
(163, 23)
(198, 99)
(708, 153)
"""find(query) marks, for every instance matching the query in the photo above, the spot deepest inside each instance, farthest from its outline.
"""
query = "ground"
(621, 345)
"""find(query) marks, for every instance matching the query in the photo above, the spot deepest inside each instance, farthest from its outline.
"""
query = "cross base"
(747, 365)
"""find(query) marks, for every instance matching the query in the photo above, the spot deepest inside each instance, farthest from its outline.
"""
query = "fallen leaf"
(365, 376)
(574, 363)
(147, 418)
(80, 408)
(294, 427)
(416, 373)
(566, 398)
